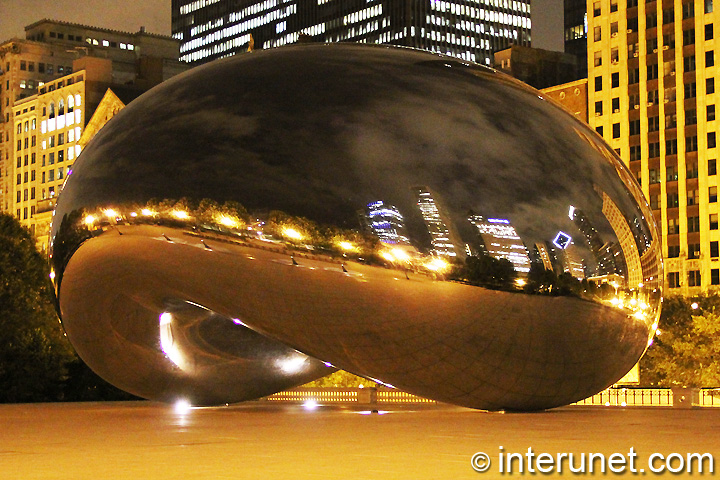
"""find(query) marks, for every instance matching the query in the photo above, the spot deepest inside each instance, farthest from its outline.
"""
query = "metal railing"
(614, 397)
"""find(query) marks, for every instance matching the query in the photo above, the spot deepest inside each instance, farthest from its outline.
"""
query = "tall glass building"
(468, 29)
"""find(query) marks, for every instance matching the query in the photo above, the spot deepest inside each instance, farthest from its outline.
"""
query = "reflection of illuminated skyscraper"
(502, 241)
(437, 227)
(544, 253)
(387, 223)
(626, 238)
(568, 255)
(608, 256)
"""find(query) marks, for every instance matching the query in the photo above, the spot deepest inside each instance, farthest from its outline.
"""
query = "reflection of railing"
(612, 397)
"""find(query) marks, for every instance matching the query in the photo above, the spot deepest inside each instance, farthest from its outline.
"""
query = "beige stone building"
(651, 95)
(53, 82)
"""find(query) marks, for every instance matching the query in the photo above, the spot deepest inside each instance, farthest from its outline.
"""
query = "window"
(614, 56)
(60, 175)
(668, 15)
(633, 76)
(671, 173)
(671, 146)
(690, 90)
(32, 177)
(598, 108)
(23, 65)
(673, 226)
(653, 97)
(616, 130)
(60, 156)
(651, 20)
(694, 277)
(61, 138)
(614, 29)
(693, 250)
(635, 152)
(634, 127)
(689, 63)
(712, 167)
(713, 221)
(709, 58)
(652, 72)
(673, 202)
(654, 152)
(688, 10)
(715, 276)
(652, 44)
(694, 226)
(51, 175)
(673, 279)
(655, 202)
(32, 193)
(710, 85)
(711, 140)
(693, 197)
(710, 113)
(708, 6)
(691, 170)
(653, 124)
(51, 158)
(673, 251)
(615, 79)
(691, 144)
(709, 31)
(596, 9)
(712, 194)
(599, 130)
(714, 249)
(598, 84)
(597, 56)
(613, 6)
(691, 117)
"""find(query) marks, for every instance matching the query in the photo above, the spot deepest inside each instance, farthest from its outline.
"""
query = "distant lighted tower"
(387, 223)
(440, 236)
(608, 256)
(543, 252)
(570, 257)
(502, 241)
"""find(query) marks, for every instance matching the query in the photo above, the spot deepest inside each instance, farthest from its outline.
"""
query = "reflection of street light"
(228, 221)
(437, 265)
(89, 220)
(388, 256)
(347, 246)
(520, 282)
(147, 212)
(110, 213)
(400, 254)
(694, 305)
(291, 233)
(180, 214)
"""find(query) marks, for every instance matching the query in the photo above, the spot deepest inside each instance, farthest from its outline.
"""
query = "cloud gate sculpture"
(418, 220)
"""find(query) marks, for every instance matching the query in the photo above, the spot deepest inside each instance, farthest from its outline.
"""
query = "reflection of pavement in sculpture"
(190, 303)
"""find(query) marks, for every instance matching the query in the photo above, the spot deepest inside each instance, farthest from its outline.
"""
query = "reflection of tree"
(487, 271)
(70, 235)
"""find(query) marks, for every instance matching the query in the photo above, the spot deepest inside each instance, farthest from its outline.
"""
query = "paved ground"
(143, 440)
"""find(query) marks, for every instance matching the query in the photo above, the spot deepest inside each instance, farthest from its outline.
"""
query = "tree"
(686, 353)
(34, 353)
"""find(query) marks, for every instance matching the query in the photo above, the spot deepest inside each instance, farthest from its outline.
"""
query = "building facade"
(576, 32)
(651, 94)
(53, 80)
(210, 29)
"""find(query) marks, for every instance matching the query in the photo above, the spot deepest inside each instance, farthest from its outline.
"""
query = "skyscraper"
(437, 224)
(210, 29)
(502, 241)
(651, 93)
(387, 223)
(576, 33)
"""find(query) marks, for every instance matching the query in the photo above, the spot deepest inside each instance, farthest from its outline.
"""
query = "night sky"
(155, 16)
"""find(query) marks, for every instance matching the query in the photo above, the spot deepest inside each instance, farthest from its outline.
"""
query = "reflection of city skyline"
(387, 223)
(502, 241)
(436, 223)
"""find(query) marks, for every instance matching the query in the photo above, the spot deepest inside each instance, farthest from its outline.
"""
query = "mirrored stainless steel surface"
(408, 217)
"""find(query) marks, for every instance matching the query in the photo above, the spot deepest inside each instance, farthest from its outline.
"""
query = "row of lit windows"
(110, 43)
(362, 15)
(27, 126)
(234, 30)
(196, 5)
(206, 26)
(480, 14)
(252, 10)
